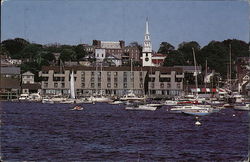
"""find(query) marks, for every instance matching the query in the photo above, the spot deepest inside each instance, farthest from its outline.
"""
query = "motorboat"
(117, 102)
(99, 99)
(47, 101)
(77, 108)
(130, 96)
(198, 112)
(190, 107)
(155, 104)
(68, 101)
(23, 97)
(227, 105)
(170, 102)
(141, 107)
(244, 107)
(35, 97)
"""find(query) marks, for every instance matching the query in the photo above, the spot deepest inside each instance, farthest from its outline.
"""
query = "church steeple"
(147, 47)
(147, 26)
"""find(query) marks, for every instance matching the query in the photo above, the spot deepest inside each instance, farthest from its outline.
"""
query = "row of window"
(168, 85)
(125, 85)
(94, 72)
(132, 50)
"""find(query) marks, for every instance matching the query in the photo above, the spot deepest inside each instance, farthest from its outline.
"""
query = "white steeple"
(147, 48)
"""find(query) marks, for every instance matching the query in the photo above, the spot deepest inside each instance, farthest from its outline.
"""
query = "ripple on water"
(52, 132)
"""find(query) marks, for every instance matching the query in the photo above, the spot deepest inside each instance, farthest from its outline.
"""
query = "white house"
(100, 54)
(27, 78)
(115, 60)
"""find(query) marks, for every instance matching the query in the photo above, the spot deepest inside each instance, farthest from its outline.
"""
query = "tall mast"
(206, 78)
(131, 70)
(196, 74)
(230, 66)
(101, 79)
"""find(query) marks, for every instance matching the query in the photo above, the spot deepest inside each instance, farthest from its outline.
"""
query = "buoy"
(197, 123)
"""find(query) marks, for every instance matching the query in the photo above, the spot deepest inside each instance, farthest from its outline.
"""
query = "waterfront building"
(28, 85)
(10, 82)
(243, 74)
(165, 81)
(112, 81)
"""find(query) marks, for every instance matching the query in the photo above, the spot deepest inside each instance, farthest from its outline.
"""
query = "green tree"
(31, 51)
(217, 56)
(14, 46)
(174, 58)
(165, 48)
(79, 52)
(186, 48)
(67, 55)
(239, 48)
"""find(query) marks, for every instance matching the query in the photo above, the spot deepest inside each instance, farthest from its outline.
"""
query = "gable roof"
(28, 73)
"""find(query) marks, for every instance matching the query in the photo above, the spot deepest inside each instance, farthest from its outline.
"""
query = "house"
(112, 59)
(110, 47)
(100, 54)
(28, 85)
(158, 59)
(28, 78)
(10, 82)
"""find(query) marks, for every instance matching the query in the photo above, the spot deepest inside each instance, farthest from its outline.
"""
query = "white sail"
(72, 86)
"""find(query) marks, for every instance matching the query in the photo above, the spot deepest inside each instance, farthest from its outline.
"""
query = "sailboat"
(72, 98)
(196, 109)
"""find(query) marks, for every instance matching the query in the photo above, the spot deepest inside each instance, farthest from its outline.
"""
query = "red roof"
(157, 61)
(159, 55)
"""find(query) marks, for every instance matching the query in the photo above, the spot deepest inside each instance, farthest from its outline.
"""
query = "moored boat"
(198, 112)
(141, 107)
(244, 107)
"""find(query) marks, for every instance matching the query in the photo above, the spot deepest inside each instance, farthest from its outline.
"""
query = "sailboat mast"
(206, 77)
(131, 70)
(196, 74)
(101, 79)
(230, 66)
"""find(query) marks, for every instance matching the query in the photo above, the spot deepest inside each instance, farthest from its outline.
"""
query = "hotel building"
(112, 81)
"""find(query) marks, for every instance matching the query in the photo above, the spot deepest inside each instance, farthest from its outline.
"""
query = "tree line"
(215, 52)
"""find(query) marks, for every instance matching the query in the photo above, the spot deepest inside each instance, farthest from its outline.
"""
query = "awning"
(204, 90)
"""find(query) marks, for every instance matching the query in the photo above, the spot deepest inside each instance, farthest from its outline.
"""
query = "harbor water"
(103, 132)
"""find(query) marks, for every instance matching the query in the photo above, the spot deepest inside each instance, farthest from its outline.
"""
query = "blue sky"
(81, 21)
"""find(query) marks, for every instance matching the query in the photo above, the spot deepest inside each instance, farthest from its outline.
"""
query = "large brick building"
(112, 81)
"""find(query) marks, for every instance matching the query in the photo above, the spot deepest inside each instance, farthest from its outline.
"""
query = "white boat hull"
(141, 107)
(242, 107)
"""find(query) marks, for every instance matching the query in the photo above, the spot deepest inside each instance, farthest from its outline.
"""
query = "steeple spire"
(147, 47)
(147, 26)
